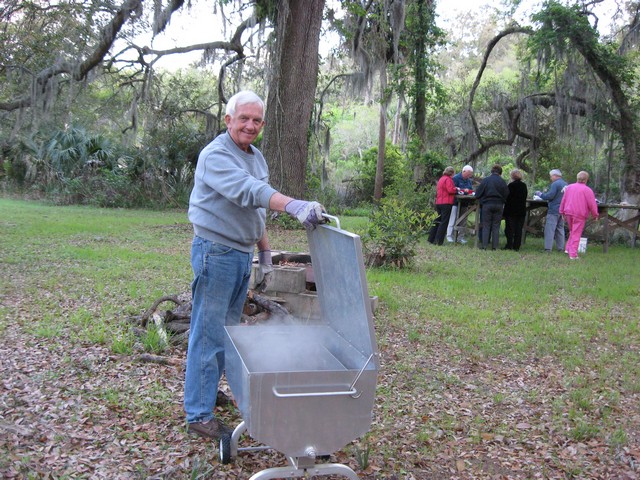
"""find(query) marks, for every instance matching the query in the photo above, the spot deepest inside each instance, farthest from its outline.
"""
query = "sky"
(194, 26)
(198, 25)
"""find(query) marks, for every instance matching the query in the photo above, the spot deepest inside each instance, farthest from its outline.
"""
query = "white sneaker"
(462, 240)
(450, 239)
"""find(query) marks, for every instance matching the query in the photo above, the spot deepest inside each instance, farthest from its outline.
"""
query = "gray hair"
(555, 172)
(582, 177)
(244, 97)
(467, 168)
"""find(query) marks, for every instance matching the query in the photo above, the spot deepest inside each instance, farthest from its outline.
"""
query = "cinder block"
(284, 279)
(303, 306)
(374, 303)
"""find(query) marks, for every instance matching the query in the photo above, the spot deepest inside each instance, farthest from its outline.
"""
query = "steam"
(285, 345)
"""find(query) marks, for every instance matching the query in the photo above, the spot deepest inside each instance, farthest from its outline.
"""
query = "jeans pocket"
(215, 249)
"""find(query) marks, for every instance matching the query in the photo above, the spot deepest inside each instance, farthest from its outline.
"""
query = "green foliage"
(393, 233)
(71, 150)
(104, 188)
(155, 340)
(419, 75)
(325, 194)
(395, 169)
(284, 221)
(428, 165)
(362, 455)
(564, 28)
(123, 343)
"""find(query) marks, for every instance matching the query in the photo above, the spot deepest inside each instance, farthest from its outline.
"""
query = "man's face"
(245, 124)
(467, 174)
(553, 177)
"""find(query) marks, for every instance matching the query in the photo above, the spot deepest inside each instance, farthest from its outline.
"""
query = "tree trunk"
(420, 76)
(382, 136)
(292, 88)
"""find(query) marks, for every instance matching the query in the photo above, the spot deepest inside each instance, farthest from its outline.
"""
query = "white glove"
(307, 213)
(265, 270)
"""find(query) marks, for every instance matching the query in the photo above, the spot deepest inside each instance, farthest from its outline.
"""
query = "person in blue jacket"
(227, 208)
(462, 181)
(554, 223)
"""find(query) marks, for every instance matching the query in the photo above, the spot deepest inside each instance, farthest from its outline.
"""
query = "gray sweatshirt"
(230, 195)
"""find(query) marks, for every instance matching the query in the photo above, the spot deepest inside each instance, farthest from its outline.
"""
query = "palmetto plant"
(69, 151)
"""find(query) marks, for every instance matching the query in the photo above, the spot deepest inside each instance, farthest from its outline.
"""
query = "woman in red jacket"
(445, 194)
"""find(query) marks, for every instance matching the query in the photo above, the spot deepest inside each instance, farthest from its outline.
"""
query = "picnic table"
(470, 204)
(609, 222)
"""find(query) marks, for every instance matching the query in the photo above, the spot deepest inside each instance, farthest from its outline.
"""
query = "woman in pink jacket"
(577, 203)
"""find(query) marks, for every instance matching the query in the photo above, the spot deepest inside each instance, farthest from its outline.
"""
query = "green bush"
(393, 232)
(395, 170)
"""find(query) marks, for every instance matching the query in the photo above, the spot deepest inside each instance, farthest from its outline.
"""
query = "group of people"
(497, 199)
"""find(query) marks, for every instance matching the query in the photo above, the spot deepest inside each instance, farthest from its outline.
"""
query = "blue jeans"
(219, 289)
(554, 230)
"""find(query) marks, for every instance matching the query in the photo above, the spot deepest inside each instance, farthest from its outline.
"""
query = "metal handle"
(362, 370)
(335, 219)
(352, 392)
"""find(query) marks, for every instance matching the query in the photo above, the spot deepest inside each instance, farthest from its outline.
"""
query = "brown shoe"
(213, 429)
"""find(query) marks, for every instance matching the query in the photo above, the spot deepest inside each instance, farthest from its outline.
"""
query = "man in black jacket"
(492, 194)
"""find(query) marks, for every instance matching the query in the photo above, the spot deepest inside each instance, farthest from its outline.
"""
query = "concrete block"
(303, 306)
(284, 279)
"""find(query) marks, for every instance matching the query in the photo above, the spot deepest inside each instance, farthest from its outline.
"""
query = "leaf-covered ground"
(73, 409)
(79, 411)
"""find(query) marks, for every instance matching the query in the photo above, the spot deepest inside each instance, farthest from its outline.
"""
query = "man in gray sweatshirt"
(227, 208)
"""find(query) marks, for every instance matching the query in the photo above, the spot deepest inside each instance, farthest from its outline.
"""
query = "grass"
(85, 271)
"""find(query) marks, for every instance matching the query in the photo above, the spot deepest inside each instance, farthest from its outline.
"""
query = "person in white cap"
(554, 224)
(462, 181)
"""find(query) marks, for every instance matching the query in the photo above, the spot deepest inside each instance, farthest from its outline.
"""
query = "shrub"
(393, 232)
(394, 171)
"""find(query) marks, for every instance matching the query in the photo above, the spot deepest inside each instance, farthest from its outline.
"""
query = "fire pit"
(306, 387)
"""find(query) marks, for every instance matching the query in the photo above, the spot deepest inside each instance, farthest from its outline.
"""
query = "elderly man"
(462, 181)
(554, 224)
(227, 208)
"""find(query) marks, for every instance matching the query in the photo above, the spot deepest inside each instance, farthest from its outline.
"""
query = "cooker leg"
(321, 470)
(235, 438)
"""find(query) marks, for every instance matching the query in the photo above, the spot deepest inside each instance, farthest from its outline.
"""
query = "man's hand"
(307, 213)
(265, 270)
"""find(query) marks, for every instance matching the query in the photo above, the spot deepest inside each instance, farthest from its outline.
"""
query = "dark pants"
(513, 232)
(439, 230)
(491, 218)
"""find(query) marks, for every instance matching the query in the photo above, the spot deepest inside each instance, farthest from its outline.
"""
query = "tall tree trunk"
(291, 95)
(420, 74)
(382, 136)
